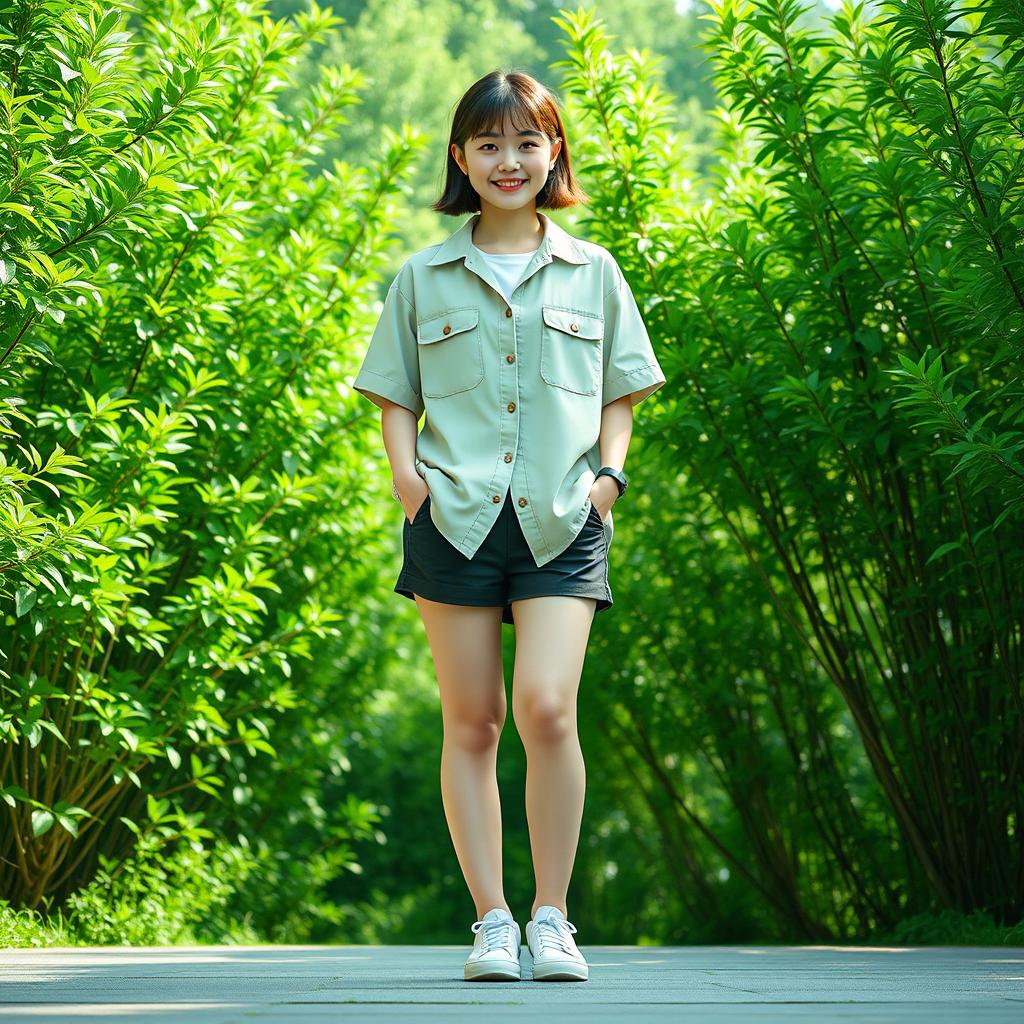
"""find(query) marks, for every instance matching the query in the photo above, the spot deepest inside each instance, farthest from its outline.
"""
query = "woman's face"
(492, 157)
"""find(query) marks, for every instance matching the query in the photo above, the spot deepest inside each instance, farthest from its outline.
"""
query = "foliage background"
(804, 721)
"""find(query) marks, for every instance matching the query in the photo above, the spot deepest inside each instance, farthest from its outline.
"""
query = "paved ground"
(727, 984)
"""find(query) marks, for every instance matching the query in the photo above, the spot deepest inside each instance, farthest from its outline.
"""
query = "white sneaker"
(495, 955)
(555, 956)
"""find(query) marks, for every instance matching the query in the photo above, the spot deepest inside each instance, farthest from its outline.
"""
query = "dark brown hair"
(527, 104)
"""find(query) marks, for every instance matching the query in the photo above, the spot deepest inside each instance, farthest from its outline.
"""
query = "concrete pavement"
(378, 984)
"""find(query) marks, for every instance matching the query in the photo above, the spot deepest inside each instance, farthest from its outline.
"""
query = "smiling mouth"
(508, 184)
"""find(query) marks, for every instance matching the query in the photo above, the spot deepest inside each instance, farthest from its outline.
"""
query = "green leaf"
(42, 822)
(24, 599)
(944, 549)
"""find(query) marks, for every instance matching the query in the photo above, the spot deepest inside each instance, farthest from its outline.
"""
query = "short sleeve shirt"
(510, 391)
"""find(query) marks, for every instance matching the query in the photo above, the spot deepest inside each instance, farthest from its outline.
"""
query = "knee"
(475, 733)
(545, 719)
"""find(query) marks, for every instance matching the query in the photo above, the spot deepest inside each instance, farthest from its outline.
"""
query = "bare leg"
(551, 643)
(466, 646)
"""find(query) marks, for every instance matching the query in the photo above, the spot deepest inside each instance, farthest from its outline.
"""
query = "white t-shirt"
(507, 267)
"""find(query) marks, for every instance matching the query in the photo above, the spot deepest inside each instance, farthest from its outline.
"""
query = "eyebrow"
(498, 135)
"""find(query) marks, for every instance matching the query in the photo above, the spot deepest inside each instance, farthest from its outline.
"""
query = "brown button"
(511, 406)
(508, 456)
(522, 503)
(572, 327)
(448, 329)
(510, 359)
(508, 312)
(496, 499)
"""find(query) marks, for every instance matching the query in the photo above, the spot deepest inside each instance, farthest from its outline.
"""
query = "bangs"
(499, 105)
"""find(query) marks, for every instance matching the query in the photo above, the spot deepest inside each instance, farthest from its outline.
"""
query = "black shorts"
(503, 569)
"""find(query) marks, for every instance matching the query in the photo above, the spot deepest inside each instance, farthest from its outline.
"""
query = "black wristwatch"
(616, 474)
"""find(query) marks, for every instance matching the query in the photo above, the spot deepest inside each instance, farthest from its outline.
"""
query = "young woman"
(523, 349)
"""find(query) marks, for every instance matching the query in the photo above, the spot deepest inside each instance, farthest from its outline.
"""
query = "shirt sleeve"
(391, 367)
(630, 365)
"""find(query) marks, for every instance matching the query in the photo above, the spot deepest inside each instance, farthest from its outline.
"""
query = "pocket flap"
(579, 325)
(437, 328)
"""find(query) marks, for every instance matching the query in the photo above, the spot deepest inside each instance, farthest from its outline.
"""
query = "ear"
(459, 157)
(556, 149)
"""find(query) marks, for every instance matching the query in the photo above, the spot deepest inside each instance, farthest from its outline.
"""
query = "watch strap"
(617, 475)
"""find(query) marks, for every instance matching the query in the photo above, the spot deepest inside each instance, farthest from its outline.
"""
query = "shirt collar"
(556, 242)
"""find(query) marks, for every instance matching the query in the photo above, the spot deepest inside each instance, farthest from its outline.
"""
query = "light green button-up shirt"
(511, 392)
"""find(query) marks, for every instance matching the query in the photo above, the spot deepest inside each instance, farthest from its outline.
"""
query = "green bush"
(183, 499)
(817, 708)
(161, 895)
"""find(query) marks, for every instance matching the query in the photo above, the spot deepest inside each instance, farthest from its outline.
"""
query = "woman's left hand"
(603, 494)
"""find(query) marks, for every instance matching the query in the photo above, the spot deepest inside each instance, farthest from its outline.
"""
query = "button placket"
(542, 259)
(509, 440)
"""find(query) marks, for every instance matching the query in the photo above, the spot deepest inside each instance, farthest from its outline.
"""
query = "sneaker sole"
(482, 971)
(561, 970)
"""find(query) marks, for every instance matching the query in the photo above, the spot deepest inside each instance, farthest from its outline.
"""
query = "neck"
(508, 231)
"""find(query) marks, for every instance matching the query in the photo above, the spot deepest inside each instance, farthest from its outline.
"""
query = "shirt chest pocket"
(570, 350)
(451, 352)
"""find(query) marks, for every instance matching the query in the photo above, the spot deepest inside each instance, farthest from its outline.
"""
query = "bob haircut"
(527, 104)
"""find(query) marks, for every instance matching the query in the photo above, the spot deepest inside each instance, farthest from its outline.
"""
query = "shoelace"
(556, 932)
(496, 933)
